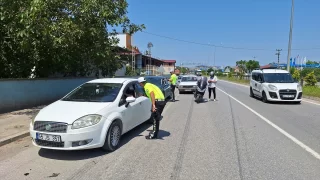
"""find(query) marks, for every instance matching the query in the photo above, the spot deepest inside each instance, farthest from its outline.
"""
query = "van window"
(278, 78)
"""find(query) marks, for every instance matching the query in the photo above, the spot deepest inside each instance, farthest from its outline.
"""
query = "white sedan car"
(188, 83)
(93, 115)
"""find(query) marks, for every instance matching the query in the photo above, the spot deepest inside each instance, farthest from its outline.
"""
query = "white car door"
(144, 112)
(259, 84)
(129, 111)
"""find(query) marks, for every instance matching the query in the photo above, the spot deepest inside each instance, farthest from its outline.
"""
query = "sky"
(244, 24)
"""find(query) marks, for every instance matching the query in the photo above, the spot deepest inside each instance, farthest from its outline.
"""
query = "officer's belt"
(159, 100)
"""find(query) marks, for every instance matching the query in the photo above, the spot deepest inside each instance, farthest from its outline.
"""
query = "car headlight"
(34, 118)
(86, 121)
(272, 87)
(299, 87)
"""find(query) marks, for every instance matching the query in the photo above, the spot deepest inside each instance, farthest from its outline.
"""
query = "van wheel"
(113, 137)
(264, 97)
(251, 92)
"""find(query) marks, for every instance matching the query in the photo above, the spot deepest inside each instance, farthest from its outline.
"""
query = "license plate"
(48, 137)
(288, 96)
(188, 89)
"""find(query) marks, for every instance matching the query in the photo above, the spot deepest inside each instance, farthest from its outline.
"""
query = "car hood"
(69, 111)
(285, 85)
(188, 83)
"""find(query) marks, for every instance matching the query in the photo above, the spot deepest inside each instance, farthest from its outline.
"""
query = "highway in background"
(236, 137)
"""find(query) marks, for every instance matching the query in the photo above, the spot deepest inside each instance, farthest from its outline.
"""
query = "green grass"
(313, 91)
(236, 80)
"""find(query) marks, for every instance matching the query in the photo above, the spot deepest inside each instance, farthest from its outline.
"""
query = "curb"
(12, 138)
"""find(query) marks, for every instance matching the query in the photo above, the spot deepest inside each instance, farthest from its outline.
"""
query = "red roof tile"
(169, 61)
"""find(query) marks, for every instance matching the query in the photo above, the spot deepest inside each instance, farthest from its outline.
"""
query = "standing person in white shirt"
(212, 85)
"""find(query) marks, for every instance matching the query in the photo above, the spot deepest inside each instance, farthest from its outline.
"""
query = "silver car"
(188, 83)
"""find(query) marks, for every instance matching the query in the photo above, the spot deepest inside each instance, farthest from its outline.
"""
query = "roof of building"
(169, 61)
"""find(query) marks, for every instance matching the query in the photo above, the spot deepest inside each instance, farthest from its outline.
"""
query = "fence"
(25, 93)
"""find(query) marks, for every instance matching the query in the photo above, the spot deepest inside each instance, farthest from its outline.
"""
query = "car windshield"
(94, 92)
(155, 81)
(189, 78)
(278, 78)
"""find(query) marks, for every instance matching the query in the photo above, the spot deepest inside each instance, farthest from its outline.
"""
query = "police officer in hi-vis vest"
(156, 96)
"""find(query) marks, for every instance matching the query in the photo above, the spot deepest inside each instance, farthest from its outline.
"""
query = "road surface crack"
(236, 139)
(178, 163)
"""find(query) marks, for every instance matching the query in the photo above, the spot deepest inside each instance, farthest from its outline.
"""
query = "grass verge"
(312, 91)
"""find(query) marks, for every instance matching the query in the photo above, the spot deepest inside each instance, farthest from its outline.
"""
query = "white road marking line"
(247, 86)
(305, 147)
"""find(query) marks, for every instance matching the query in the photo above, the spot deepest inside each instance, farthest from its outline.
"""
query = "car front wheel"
(264, 97)
(251, 92)
(113, 137)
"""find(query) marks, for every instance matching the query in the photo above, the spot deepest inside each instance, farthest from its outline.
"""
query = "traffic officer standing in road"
(156, 96)
(173, 80)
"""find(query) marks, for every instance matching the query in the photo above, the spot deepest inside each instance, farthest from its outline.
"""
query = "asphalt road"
(212, 140)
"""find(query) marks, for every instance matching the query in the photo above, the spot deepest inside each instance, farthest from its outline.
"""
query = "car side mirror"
(130, 100)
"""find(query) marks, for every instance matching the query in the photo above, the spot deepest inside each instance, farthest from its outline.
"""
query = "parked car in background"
(179, 80)
(95, 114)
(188, 83)
(275, 85)
(162, 83)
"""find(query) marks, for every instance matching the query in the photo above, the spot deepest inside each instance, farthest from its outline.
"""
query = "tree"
(242, 66)
(251, 65)
(296, 75)
(310, 79)
(74, 38)
(210, 70)
(312, 62)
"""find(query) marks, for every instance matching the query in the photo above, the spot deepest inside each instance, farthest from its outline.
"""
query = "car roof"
(154, 77)
(189, 75)
(271, 71)
(111, 80)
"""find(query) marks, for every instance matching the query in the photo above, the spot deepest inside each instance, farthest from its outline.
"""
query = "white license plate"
(48, 137)
(288, 96)
(188, 89)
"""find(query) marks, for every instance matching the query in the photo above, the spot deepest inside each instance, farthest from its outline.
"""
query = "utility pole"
(290, 36)
(150, 45)
(278, 54)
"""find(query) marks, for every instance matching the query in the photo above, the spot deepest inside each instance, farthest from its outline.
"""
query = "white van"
(275, 85)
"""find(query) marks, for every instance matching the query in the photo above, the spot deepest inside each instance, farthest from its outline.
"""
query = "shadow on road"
(92, 153)
(161, 134)
(277, 103)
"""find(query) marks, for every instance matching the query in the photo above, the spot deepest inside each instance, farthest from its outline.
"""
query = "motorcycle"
(201, 89)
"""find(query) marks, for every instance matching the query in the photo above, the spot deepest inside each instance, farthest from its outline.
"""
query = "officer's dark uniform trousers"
(160, 104)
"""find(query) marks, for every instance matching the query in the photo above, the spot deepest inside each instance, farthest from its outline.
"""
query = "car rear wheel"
(113, 137)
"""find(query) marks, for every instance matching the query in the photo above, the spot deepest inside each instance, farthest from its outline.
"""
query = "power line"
(212, 45)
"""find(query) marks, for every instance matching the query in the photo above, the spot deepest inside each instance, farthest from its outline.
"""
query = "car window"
(189, 78)
(278, 78)
(139, 90)
(155, 81)
(95, 92)
(128, 91)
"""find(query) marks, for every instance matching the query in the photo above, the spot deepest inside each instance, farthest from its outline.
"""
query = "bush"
(296, 74)
(229, 75)
(310, 79)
